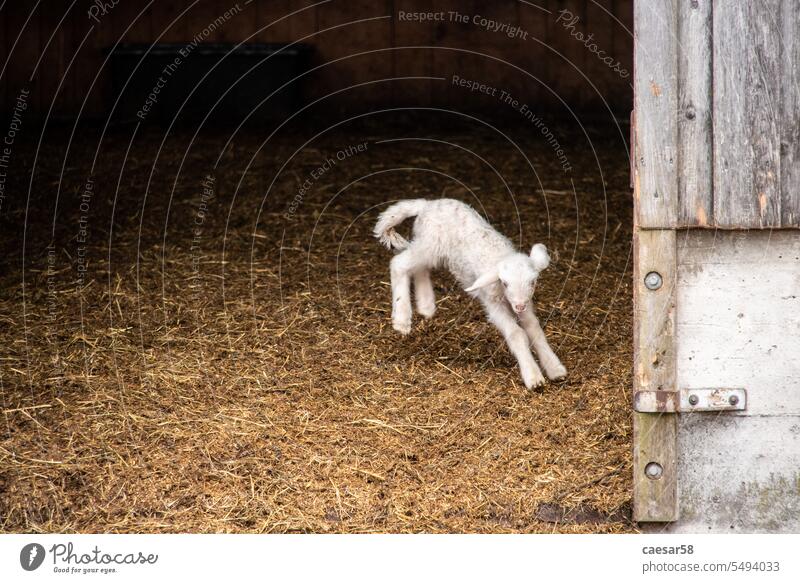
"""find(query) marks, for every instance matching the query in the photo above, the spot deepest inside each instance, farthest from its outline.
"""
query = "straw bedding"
(227, 364)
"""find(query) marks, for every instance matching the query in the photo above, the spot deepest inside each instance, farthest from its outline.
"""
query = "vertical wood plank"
(623, 39)
(77, 27)
(199, 17)
(656, 104)
(533, 54)
(89, 38)
(570, 53)
(23, 30)
(454, 33)
(790, 114)
(411, 62)
(334, 23)
(3, 55)
(242, 24)
(746, 103)
(764, 109)
(444, 62)
(695, 161)
(170, 21)
(304, 22)
(55, 38)
(600, 27)
(270, 28)
(655, 435)
(133, 15)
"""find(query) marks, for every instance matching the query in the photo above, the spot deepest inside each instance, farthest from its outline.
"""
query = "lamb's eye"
(505, 283)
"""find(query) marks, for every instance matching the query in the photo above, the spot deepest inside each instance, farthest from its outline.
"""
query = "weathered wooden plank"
(656, 104)
(655, 435)
(746, 102)
(790, 114)
(695, 188)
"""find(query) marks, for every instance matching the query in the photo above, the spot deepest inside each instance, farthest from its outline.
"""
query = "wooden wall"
(717, 99)
(55, 51)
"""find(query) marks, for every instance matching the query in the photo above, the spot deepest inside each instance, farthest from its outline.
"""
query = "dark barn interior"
(194, 314)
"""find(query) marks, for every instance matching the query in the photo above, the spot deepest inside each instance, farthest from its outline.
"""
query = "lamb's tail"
(393, 216)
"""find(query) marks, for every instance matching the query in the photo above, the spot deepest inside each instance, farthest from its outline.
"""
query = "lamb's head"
(517, 274)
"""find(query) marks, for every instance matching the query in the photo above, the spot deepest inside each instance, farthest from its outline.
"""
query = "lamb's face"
(518, 276)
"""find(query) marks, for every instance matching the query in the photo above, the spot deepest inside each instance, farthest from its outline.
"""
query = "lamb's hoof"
(403, 327)
(534, 381)
(427, 311)
(556, 372)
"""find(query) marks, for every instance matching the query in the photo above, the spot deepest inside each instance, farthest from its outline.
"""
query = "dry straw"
(265, 391)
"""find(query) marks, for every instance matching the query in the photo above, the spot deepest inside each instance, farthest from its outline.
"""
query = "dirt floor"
(202, 342)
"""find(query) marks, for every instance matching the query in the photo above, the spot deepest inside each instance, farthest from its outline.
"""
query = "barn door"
(717, 317)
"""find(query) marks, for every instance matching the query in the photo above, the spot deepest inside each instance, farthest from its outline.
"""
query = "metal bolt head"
(733, 400)
(653, 470)
(694, 399)
(653, 281)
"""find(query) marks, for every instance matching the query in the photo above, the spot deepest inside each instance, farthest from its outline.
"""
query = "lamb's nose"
(519, 307)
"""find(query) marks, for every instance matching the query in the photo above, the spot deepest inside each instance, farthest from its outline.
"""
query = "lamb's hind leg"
(402, 266)
(547, 358)
(423, 293)
(517, 342)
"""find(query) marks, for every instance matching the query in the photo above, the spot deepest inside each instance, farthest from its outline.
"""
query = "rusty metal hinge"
(690, 400)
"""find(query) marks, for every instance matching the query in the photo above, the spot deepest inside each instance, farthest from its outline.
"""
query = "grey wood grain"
(655, 434)
(656, 104)
(790, 114)
(746, 109)
(695, 162)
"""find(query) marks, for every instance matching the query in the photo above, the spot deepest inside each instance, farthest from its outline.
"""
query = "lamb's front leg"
(547, 358)
(517, 341)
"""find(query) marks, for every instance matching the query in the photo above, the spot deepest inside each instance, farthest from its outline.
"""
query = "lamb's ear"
(484, 280)
(539, 257)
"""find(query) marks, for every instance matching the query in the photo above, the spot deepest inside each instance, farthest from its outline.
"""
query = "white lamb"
(448, 233)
